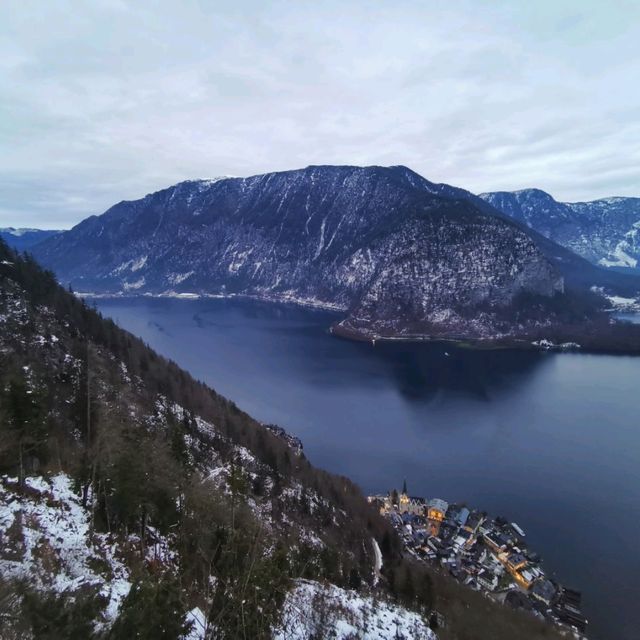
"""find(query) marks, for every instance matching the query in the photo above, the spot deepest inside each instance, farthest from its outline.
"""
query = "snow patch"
(132, 286)
(198, 625)
(177, 278)
(49, 522)
(314, 610)
(139, 263)
(619, 258)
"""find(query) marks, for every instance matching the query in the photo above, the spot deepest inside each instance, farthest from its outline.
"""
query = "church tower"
(404, 498)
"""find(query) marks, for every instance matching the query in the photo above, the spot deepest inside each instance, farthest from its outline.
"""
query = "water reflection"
(422, 371)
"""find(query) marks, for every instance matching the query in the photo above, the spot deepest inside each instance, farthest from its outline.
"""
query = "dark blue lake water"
(550, 441)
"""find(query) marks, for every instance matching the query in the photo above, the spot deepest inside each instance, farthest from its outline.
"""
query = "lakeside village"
(488, 555)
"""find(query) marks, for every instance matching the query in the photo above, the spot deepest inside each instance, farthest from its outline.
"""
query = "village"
(488, 555)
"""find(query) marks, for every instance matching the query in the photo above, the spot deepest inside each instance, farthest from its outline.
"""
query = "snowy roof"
(437, 503)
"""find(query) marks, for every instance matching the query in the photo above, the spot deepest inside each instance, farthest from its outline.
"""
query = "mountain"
(135, 502)
(605, 232)
(398, 254)
(22, 239)
(577, 271)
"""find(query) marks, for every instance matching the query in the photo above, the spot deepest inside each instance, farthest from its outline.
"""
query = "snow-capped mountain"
(399, 254)
(606, 231)
(22, 239)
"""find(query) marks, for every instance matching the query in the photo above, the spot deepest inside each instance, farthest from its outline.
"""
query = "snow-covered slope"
(315, 610)
(605, 231)
(45, 539)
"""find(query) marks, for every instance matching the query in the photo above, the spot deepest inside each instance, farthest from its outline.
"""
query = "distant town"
(488, 555)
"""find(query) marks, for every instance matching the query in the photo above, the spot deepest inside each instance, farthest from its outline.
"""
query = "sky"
(109, 100)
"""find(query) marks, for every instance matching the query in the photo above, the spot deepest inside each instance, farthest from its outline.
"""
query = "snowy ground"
(325, 611)
(619, 303)
(45, 538)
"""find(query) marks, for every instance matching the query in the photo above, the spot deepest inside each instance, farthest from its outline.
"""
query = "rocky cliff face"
(606, 232)
(384, 244)
(437, 278)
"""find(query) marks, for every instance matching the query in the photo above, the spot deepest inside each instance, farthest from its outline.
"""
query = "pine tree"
(25, 424)
(153, 610)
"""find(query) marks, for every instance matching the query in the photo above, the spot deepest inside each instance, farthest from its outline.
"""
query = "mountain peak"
(604, 231)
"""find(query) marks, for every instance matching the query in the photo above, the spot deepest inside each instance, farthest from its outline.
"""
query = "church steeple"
(404, 498)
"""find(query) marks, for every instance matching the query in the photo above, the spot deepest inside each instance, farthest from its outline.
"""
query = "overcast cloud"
(108, 100)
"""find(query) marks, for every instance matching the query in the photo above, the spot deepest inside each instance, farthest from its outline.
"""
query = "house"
(458, 543)
(462, 539)
(568, 609)
(543, 590)
(495, 541)
(474, 521)
(516, 561)
(436, 511)
(462, 516)
(524, 578)
(487, 579)
(457, 516)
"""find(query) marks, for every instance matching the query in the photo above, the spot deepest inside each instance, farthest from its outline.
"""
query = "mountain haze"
(23, 239)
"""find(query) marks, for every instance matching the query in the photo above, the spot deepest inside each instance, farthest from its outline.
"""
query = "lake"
(548, 440)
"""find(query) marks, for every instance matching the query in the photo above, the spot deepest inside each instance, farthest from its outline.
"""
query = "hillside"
(350, 238)
(399, 255)
(135, 500)
(577, 271)
(605, 231)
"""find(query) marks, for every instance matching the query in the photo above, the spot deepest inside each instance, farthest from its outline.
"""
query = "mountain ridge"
(605, 231)
(23, 238)
(400, 254)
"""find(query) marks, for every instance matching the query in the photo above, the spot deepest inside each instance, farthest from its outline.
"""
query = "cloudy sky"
(111, 99)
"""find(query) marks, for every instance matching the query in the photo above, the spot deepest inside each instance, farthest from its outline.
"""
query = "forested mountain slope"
(577, 271)
(400, 255)
(605, 231)
(196, 497)
(136, 502)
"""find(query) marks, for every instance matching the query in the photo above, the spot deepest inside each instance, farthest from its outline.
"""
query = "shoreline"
(505, 343)
(310, 303)
(337, 329)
